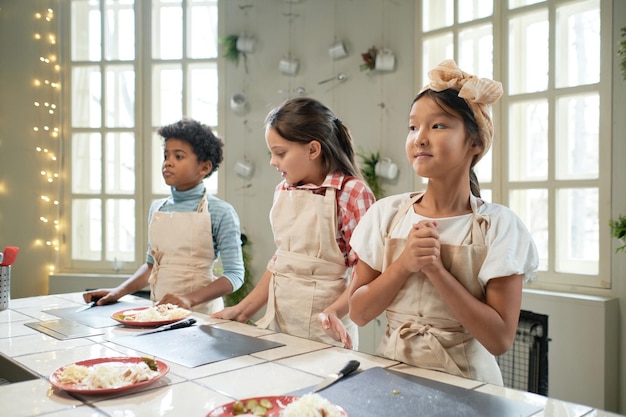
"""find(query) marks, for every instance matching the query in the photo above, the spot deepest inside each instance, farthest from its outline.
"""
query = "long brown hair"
(303, 120)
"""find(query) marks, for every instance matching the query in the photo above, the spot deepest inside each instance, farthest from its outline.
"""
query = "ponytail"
(345, 158)
(474, 185)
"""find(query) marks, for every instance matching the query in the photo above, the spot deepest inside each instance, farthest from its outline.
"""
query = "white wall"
(374, 106)
(618, 195)
(357, 102)
(583, 348)
(20, 181)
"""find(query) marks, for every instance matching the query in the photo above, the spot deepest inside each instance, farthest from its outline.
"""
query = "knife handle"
(180, 324)
(350, 367)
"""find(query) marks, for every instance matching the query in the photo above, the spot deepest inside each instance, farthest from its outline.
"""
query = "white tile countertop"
(183, 391)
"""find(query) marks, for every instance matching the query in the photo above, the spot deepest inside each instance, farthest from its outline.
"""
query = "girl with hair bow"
(445, 266)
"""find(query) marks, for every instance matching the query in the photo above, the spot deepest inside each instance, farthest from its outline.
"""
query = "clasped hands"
(423, 248)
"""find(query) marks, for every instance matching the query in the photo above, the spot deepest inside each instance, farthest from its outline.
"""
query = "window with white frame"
(132, 66)
(547, 162)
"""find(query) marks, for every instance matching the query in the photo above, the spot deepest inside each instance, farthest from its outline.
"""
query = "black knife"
(171, 326)
(87, 306)
(350, 367)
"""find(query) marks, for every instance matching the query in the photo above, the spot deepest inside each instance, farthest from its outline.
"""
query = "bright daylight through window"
(134, 65)
(546, 160)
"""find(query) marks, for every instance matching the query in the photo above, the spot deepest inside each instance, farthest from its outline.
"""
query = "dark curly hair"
(203, 141)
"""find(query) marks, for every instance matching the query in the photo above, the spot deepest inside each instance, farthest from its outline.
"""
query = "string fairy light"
(47, 129)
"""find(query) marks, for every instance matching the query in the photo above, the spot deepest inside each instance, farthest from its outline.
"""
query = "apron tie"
(157, 255)
(401, 348)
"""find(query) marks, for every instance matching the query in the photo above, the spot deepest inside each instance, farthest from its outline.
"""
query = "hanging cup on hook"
(239, 103)
(288, 66)
(244, 168)
(385, 60)
(386, 168)
(246, 43)
(337, 50)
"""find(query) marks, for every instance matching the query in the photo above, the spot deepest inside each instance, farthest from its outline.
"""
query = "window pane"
(158, 183)
(120, 96)
(436, 49)
(202, 94)
(211, 183)
(167, 30)
(86, 97)
(577, 231)
(484, 168)
(528, 141)
(531, 206)
(86, 163)
(437, 14)
(513, 4)
(528, 52)
(471, 10)
(486, 195)
(202, 29)
(85, 30)
(119, 30)
(476, 50)
(120, 163)
(120, 231)
(86, 230)
(167, 94)
(577, 137)
(578, 43)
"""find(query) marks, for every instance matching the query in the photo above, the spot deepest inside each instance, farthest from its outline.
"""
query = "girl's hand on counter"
(102, 296)
(179, 300)
(335, 329)
(231, 313)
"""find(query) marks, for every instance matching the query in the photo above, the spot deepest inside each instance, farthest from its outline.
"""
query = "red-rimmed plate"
(278, 405)
(162, 369)
(126, 318)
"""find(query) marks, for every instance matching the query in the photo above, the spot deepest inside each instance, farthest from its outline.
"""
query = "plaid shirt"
(354, 198)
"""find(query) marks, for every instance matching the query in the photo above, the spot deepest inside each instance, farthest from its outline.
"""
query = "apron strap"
(403, 210)
(270, 311)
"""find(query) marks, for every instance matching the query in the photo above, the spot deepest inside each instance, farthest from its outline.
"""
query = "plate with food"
(108, 375)
(308, 405)
(152, 316)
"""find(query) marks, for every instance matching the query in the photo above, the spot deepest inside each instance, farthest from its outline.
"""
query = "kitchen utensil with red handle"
(10, 253)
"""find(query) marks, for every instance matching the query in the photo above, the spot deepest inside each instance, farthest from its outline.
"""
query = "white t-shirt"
(511, 249)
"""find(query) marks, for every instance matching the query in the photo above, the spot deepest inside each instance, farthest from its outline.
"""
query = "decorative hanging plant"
(370, 159)
(621, 52)
(369, 59)
(231, 53)
(618, 230)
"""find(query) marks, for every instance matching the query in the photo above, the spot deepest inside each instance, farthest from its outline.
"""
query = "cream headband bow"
(478, 93)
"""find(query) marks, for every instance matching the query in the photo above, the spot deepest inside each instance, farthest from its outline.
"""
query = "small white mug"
(386, 168)
(244, 168)
(246, 44)
(385, 60)
(337, 50)
(288, 66)
(238, 103)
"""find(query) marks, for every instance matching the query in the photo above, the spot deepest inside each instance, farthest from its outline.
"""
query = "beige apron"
(421, 329)
(308, 270)
(182, 248)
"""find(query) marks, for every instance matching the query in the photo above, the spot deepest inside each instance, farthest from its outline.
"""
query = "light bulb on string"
(50, 70)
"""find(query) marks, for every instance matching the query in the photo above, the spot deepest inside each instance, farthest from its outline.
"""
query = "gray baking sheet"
(96, 317)
(379, 392)
(63, 329)
(196, 345)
